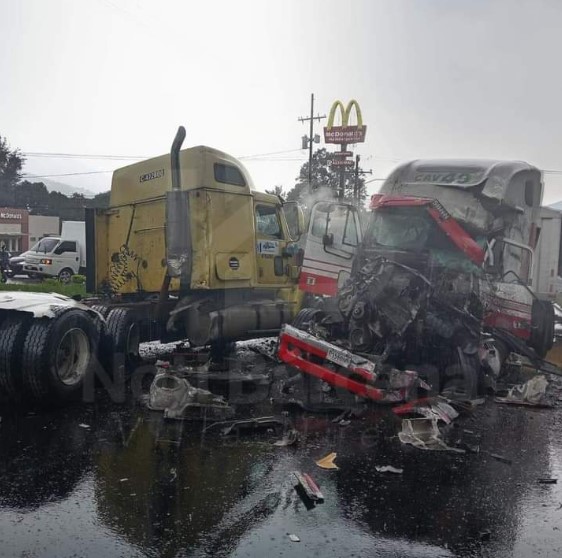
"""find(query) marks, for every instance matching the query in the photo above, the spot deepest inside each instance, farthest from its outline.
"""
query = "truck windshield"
(45, 245)
(405, 228)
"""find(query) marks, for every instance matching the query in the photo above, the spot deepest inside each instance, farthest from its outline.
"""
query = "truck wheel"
(12, 336)
(304, 317)
(103, 310)
(66, 275)
(59, 354)
(122, 336)
(542, 327)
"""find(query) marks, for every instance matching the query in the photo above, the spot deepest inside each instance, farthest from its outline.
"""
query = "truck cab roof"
(201, 167)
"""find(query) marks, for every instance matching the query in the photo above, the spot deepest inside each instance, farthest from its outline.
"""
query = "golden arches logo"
(345, 133)
(345, 114)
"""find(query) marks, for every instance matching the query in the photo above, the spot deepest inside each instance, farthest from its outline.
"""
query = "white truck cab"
(60, 257)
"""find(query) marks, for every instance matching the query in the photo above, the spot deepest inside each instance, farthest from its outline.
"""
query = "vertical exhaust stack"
(178, 231)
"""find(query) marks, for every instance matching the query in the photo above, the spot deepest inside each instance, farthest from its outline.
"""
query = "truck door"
(271, 245)
(333, 236)
(66, 255)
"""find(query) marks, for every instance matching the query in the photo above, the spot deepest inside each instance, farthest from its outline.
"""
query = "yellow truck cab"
(193, 250)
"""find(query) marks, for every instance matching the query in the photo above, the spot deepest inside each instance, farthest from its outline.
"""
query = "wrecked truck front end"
(412, 301)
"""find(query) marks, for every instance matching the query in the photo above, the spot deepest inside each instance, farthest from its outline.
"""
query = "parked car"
(16, 265)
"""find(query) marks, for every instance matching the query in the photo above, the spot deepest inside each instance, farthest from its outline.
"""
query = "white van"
(60, 257)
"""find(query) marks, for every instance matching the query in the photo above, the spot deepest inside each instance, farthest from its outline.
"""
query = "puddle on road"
(122, 481)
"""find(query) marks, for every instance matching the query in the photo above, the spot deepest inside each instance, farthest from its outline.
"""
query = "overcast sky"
(434, 78)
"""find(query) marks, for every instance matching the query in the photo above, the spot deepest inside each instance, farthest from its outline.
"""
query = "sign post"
(344, 135)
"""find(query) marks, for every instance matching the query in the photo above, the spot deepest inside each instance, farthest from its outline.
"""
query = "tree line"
(34, 196)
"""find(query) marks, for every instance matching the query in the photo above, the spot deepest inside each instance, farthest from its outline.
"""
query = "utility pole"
(311, 138)
(356, 173)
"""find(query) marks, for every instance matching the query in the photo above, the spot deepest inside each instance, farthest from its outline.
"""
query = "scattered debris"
(424, 434)
(436, 408)
(532, 393)
(388, 469)
(290, 438)
(328, 461)
(294, 538)
(174, 395)
(498, 457)
(547, 481)
(123, 480)
(309, 486)
(83, 425)
(245, 425)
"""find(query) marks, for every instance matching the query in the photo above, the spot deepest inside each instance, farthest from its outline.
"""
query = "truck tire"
(12, 335)
(542, 327)
(304, 317)
(65, 275)
(122, 337)
(59, 356)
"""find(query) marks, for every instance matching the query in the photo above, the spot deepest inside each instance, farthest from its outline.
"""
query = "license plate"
(337, 356)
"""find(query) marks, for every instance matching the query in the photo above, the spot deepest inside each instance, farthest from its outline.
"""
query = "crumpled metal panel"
(41, 305)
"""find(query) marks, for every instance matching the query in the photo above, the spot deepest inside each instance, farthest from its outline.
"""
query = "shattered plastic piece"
(328, 462)
(424, 434)
(389, 469)
(294, 538)
(309, 486)
(123, 480)
(532, 393)
(290, 438)
(344, 422)
(83, 425)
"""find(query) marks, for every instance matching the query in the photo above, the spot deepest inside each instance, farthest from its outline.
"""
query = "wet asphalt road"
(118, 480)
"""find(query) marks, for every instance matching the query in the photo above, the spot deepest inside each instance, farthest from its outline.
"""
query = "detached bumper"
(345, 370)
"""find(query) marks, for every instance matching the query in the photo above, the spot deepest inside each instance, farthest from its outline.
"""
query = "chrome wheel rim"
(72, 357)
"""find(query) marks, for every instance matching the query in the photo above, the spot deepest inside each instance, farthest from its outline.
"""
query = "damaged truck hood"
(41, 305)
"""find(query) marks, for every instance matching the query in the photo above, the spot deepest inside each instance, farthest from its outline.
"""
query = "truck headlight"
(46, 262)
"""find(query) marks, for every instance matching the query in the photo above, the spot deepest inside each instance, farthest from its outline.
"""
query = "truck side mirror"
(295, 219)
(328, 240)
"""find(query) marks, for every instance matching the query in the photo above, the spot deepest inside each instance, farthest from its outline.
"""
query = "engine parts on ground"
(178, 399)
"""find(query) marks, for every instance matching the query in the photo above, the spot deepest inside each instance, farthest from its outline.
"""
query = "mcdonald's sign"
(345, 133)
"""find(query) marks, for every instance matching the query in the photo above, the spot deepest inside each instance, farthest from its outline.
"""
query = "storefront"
(14, 229)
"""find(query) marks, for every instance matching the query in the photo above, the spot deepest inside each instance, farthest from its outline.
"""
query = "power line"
(64, 174)
(48, 155)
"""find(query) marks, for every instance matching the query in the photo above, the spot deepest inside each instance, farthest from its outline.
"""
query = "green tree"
(11, 162)
(325, 181)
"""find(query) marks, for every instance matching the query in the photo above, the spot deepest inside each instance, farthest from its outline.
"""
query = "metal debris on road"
(424, 434)
(175, 396)
(309, 486)
(388, 469)
(533, 393)
(436, 408)
(328, 461)
(547, 481)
